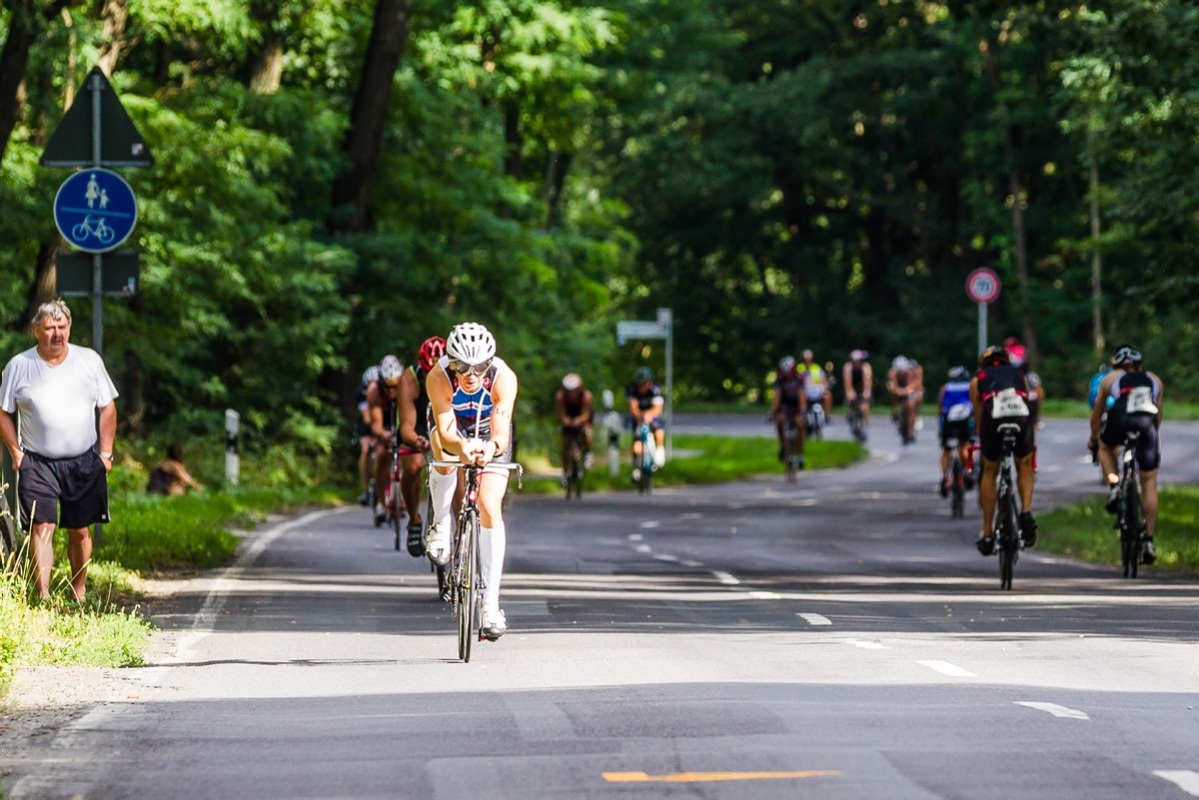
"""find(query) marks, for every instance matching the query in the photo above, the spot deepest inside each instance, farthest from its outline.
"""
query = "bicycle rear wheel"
(395, 510)
(1009, 539)
(466, 574)
(958, 487)
(1130, 528)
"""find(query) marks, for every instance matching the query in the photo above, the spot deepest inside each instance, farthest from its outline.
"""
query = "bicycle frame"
(1130, 520)
(1005, 523)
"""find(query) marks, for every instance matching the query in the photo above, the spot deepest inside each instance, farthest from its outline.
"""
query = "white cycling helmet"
(857, 355)
(901, 363)
(470, 343)
(571, 382)
(371, 375)
(390, 370)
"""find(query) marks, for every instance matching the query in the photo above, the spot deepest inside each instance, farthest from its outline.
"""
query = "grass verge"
(1086, 532)
(702, 458)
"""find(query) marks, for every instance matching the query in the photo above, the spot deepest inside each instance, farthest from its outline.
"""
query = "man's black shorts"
(1149, 453)
(990, 440)
(78, 484)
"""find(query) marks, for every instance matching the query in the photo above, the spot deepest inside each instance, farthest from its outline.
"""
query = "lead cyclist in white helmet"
(471, 396)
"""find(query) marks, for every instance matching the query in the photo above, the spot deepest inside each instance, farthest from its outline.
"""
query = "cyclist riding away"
(645, 406)
(816, 384)
(414, 436)
(362, 432)
(858, 378)
(1036, 392)
(1132, 400)
(999, 393)
(905, 383)
(472, 393)
(382, 399)
(575, 415)
(955, 422)
(790, 402)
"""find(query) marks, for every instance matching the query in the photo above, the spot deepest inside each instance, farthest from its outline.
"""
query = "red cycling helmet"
(430, 352)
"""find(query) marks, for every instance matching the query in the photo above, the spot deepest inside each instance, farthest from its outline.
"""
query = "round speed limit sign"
(983, 285)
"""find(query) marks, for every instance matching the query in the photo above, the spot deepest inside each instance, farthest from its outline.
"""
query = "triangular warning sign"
(120, 143)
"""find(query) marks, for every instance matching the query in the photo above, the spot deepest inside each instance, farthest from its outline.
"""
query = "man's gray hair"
(54, 309)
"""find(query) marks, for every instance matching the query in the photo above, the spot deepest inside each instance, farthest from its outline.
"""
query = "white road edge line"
(867, 645)
(725, 578)
(1184, 779)
(766, 595)
(1054, 709)
(816, 619)
(945, 668)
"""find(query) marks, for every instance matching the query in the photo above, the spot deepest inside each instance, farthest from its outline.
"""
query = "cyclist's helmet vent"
(1126, 355)
(571, 382)
(371, 375)
(470, 343)
(787, 364)
(643, 374)
(390, 370)
(992, 356)
(901, 364)
(857, 355)
(430, 352)
(958, 373)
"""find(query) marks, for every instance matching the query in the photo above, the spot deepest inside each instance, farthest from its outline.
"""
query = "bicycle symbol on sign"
(93, 227)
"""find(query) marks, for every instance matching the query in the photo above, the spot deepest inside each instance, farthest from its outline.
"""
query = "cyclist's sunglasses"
(462, 368)
(392, 384)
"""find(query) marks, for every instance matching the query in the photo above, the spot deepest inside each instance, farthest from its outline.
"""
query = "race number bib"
(1140, 401)
(958, 412)
(1007, 404)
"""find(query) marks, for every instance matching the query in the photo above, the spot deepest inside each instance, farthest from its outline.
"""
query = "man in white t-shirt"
(57, 388)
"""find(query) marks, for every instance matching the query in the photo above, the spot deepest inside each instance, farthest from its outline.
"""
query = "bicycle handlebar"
(508, 465)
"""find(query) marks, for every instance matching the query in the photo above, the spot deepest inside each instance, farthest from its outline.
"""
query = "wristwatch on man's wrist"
(106, 456)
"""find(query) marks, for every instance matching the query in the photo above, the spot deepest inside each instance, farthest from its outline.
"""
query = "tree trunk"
(556, 169)
(23, 30)
(266, 72)
(1096, 266)
(116, 17)
(45, 281)
(368, 116)
(512, 139)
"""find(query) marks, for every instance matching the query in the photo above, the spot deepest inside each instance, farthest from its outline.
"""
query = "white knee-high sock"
(441, 489)
(492, 542)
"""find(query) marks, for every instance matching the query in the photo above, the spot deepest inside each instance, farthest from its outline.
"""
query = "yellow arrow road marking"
(697, 777)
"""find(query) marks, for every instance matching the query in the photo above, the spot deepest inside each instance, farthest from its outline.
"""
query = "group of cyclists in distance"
(973, 404)
(455, 401)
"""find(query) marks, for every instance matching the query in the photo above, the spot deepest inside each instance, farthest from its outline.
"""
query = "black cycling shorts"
(1149, 453)
(990, 440)
(79, 485)
(961, 429)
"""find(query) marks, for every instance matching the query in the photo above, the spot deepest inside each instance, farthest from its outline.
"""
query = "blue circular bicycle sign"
(95, 210)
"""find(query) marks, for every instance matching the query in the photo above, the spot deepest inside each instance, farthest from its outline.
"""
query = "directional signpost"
(982, 286)
(660, 328)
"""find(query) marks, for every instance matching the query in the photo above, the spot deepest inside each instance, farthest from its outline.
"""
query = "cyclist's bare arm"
(446, 438)
(1161, 390)
(1097, 411)
(978, 406)
(503, 395)
(374, 411)
(409, 393)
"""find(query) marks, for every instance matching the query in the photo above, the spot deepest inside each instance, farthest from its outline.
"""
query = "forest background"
(340, 179)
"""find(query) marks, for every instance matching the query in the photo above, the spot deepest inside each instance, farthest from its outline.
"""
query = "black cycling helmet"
(958, 373)
(1127, 354)
(643, 374)
(993, 356)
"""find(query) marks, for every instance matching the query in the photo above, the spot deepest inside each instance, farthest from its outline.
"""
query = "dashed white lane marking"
(945, 668)
(1184, 779)
(665, 557)
(635, 537)
(650, 523)
(644, 548)
(690, 563)
(867, 645)
(725, 578)
(1055, 709)
(767, 595)
(691, 515)
(816, 619)
(811, 501)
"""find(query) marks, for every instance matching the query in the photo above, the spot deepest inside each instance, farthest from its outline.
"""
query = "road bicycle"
(814, 420)
(1006, 523)
(643, 462)
(906, 421)
(464, 574)
(1129, 517)
(792, 456)
(857, 422)
(393, 498)
(575, 469)
(955, 478)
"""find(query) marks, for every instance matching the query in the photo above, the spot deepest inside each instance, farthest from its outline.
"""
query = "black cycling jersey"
(645, 395)
(857, 378)
(789, 389)
(1005, 387)
(422, 401)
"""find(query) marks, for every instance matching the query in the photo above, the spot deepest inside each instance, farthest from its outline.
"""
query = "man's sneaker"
(437, 543)
(416, 544)
(588, 460)
(1148, 551)
(494, 625)
(1028, 528)
(943, 487)
(636, 474)
(1112, 506)
(986, 545)
(364, 499)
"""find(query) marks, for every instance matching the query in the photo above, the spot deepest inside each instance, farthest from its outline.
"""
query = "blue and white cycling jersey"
(955, 401)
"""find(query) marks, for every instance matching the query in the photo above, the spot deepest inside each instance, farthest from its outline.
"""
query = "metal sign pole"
(97, 260)
(982, 327)
(666, 321)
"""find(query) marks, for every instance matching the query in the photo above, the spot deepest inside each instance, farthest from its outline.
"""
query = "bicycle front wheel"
(466, 573)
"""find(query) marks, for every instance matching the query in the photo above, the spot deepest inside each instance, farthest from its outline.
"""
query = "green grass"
(702, 458)
(1086, 532)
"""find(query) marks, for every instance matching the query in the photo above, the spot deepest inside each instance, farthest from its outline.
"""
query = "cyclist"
(816, 384)
(472, 393)
(790, 401)
(414, 436)
(999, 393)
(1132, 400)
(905, 384)
(573, 404)
(858, 378)
(362, 432)
(955, 421)
(382, 398)
(645, 406)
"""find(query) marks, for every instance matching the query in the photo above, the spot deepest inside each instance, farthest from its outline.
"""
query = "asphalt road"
(837, 638)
